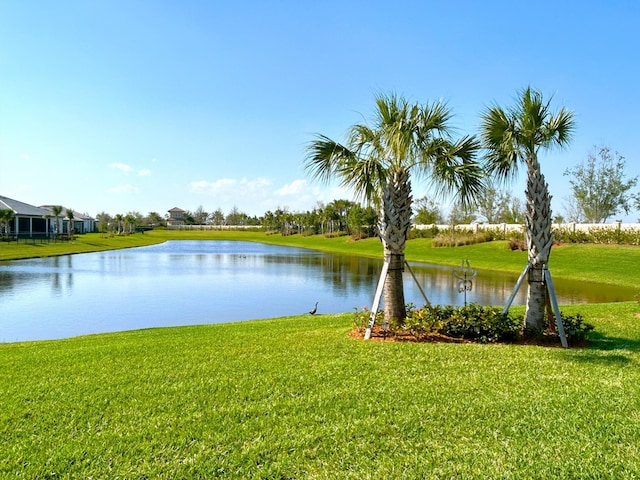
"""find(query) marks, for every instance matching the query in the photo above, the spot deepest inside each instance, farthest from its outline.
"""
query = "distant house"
(81, 223)
(175, 217)
(28, 221)
(31, 221)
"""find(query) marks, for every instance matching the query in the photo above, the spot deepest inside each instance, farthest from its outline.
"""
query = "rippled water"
(196, 282)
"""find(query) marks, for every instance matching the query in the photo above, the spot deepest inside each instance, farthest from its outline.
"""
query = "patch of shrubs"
(517, 244)
(473, 323)
(601, 235)
(457, 239)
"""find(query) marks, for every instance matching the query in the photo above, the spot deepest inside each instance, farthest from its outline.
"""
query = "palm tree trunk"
(393, 226)
(539, 239)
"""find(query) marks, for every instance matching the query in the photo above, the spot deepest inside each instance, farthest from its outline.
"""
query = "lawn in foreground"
(297, 397)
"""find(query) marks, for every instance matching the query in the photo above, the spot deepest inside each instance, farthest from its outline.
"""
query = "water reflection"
(191, 282)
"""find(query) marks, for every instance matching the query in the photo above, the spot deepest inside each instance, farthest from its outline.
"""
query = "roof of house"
(21, 208)
(63, 213)
(176, 209)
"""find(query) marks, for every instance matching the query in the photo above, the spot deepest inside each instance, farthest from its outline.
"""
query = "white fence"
(473, 227)
(517, 227)
(213, 227)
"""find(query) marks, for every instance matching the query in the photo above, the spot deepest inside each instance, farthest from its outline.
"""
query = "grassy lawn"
(91, 242)
(296, 397)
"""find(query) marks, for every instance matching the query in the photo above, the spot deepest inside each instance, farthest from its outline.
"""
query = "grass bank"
(90, 242)
(296, 397)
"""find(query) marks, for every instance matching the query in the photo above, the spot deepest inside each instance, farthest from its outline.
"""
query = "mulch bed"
(378, 335)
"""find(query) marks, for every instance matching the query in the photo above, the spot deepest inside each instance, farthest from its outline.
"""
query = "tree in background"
(104, 222)
(6, 215)
(495, 205)
(119, 219)
(200, 216)
(461, 214)
(427, 212)
(515, 136)
(56, 210)
(70, 217)
(377, 162)
(599, 187)
(153, 219)
(131, 220)
(217, 217)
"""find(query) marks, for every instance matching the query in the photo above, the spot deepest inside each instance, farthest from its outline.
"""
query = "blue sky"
(144, 105)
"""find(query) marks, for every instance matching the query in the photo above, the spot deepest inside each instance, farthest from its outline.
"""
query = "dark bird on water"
(314, 309)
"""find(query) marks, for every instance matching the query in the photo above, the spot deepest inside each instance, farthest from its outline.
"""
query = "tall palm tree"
(119, 218)
(56, 210)
(6, 215)
(70, 217)
(516, 136)
(376, 162)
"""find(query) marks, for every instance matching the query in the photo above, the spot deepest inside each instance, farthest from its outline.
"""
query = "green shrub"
(483, 324)
(361, 318)
(335, 234)
(575, 328)
(601, 235)
(473, 322)
(457, 239)
(430, 232)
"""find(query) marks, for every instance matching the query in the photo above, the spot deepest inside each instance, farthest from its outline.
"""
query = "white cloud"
(230, 186)
(296, 187)
(120, 166)
(128, 188)
(145, 172)
(259, 195)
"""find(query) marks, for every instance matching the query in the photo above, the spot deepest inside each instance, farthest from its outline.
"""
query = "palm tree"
(57, 210)
(376, 163)
(6, 215)
(516, 136)
(70, 217)
(119, 218)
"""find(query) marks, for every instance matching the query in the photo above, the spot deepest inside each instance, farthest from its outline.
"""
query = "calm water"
(195, 282)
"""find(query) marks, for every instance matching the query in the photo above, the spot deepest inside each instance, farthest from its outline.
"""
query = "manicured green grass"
(297, 397)
(91, 242)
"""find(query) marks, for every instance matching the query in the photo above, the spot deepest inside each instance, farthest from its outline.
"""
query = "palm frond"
(561, 127)
(365, 175)
(324, 157)
(455, 170)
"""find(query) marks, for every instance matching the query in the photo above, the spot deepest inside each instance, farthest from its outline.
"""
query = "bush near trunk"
(473, 322)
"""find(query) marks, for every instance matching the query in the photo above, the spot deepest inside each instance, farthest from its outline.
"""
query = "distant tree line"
(600, 189)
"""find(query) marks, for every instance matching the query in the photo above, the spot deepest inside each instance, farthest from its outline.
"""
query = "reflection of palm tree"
(376, 163)
(513, 137)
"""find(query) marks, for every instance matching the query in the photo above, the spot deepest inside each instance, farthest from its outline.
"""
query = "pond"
(200, 282)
